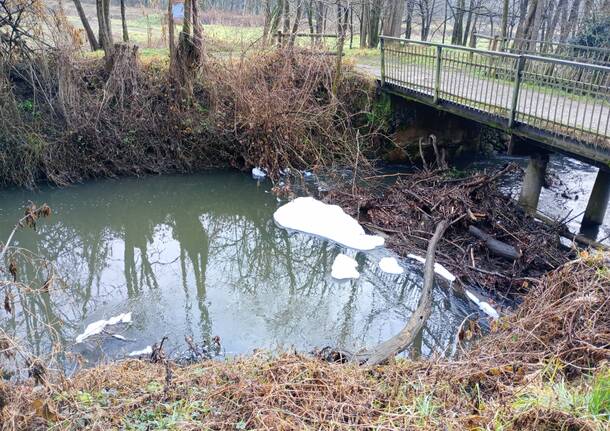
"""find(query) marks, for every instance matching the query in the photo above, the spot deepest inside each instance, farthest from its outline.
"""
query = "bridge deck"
(560, 103)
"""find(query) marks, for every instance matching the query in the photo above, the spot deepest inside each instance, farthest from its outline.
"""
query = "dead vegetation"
(491, 243)
(65, 118)
(561, 331)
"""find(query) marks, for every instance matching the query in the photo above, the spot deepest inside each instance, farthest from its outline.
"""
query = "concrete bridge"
(557, 105)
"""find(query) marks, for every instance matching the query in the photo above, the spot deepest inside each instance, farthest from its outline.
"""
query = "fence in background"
(564, 51)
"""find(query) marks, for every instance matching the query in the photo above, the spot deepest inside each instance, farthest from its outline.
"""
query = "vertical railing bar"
(545, 116)
(535, 115)
(591, 84)
(437, 75)
(601, 107)
(382, 62)
(513, 108)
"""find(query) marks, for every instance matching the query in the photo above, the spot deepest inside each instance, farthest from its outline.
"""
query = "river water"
(201, 256)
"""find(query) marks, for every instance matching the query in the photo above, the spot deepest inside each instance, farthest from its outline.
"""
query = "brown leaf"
(7, 303)
(12, 268)
(44, 410)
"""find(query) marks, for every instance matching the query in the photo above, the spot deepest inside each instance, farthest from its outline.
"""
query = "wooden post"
(382, 45)
(437, 74)
(516, 87)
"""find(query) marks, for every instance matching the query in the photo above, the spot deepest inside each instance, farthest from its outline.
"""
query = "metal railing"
(564, 51)
(564, 98)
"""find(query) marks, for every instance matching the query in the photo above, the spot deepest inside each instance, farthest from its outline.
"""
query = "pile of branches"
(491, 242)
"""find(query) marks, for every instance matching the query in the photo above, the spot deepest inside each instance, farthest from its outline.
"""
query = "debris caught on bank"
(491, 243)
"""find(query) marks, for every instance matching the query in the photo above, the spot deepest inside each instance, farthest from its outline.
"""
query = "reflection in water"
(201, 256)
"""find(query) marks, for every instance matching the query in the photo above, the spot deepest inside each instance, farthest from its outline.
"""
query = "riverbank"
(66, 118)
(523, 376)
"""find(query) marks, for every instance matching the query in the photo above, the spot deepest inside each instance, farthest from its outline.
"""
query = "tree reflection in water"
(158, 246)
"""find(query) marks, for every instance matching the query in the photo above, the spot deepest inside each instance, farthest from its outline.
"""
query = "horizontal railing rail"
(565, 51)
(563, 98)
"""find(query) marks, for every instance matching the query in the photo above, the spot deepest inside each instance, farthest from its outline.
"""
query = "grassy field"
(146, 27)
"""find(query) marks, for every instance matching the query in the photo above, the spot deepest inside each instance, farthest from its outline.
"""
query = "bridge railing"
(564, 98)
(564, 51)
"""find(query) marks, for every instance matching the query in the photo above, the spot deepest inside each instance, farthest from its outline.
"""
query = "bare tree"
(104, 26)
(393, 17)
(124, 22)
(88, 30)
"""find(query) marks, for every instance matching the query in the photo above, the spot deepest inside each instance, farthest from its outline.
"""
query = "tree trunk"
(295, 24)
(275, 20)
(90, 35)
(527, 27)
(364, 23)
(108, 22)
(105, 35)
(286, 25)
(124, 22)
(267, 24)
(197, 28)
(409, 4)
(375, 17)
(186, 22)
(170, 32)
(473, 5)
(342, 17)
(393, 18)
(504, 29)
(310, 21)
(552, 27)
(570, 22)
(458, 28)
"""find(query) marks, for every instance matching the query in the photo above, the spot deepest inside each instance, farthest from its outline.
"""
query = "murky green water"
(201, 256)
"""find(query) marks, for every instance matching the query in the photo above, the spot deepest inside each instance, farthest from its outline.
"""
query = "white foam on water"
(258, 173)
(98, 327)
(309, 215)
(438, 268)
(145, 351)
(483, 305)
(344, 267)
(390, 265)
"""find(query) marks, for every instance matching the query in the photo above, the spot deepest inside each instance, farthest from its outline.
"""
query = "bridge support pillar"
(598, 201)
(533, 181)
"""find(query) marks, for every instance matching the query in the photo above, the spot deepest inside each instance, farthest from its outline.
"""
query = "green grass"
(588, 399)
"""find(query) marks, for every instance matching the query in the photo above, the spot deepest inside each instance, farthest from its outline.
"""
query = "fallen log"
(497, 247)
(399, 342)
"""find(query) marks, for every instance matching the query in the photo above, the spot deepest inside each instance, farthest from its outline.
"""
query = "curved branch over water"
(399, 342)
